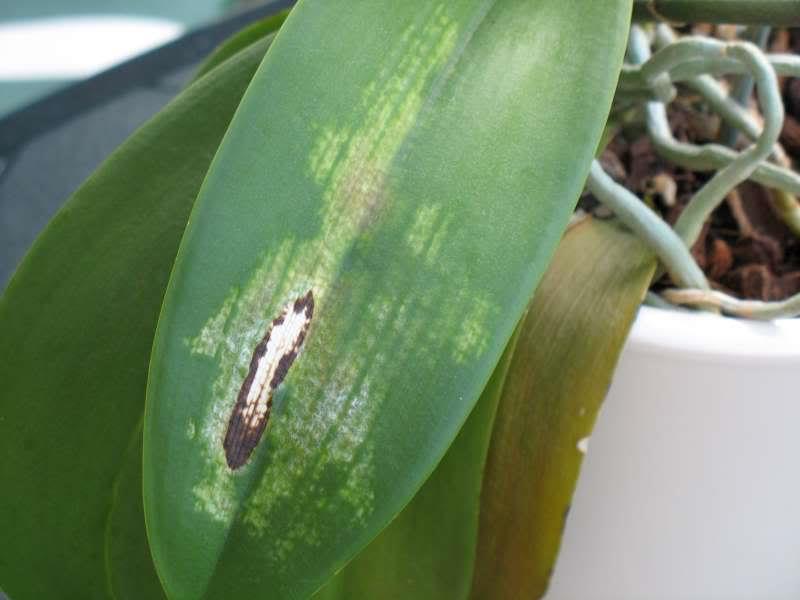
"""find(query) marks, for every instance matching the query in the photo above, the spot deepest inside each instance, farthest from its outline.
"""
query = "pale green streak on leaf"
(561, 369)
(410, 166)
(77, 323)
(428, 550)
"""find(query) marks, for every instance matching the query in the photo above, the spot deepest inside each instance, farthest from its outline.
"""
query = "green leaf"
(412, 166)
(429, 549)
(77, 323)
(131, 574)
(561, 369)
(255, 32)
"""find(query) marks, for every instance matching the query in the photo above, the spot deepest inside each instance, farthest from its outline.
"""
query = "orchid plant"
(317, 330)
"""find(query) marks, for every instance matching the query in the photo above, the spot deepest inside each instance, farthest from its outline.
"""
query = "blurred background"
(77, 78)
(45, 44)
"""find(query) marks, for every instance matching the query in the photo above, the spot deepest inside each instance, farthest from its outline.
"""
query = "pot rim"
(705, 337)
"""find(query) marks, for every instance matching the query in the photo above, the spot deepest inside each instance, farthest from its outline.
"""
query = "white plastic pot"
(691, 483)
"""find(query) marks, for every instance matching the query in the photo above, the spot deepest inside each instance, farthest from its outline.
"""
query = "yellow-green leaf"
(561, 369)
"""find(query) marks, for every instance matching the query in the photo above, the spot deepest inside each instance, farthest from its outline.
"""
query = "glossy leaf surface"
(568, 347)
(76, 327)
(413, 167)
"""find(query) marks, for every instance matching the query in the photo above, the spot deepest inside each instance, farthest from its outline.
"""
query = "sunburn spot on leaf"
(270, 364)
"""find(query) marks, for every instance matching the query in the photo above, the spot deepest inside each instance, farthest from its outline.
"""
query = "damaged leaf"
(410, 165)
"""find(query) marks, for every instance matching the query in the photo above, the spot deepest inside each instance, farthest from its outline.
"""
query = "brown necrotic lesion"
(272, 359)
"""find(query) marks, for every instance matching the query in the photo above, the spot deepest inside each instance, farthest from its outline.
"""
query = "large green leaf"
(411, 166)
(561, 369)
(77, 323)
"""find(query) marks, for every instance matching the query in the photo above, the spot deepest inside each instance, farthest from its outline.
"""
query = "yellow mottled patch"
(426, 235)
(208, 339)
(420, 233)
(472, 338)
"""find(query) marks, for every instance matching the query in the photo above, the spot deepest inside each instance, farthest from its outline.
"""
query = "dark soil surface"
(746, 249)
